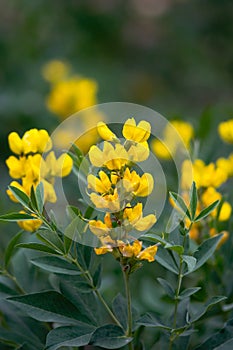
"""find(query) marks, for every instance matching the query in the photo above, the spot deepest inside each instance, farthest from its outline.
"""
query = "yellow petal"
(49, 192)
(146, 185)
(128, 128)
(15, 143)
(30, 141)
(139, 152)
(98, 228)
(16, 167)
(104, 132)
(148, 253)
(145, 222)
(102, 250)
(225, 211)
(96, 156)
(64, 165)
(142, 131)
(45, 142)
(30, 225)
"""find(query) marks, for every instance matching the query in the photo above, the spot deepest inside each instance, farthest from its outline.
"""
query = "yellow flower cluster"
(207, 178)
(30, 168)
(69, 94)
(116, 187)
(167, 148)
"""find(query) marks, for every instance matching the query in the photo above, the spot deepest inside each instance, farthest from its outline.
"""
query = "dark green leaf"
(164, 258)
(119, 306)
(49, 306)
(37, 246)
(205, 212)
(213, 301)
(51, 238)
(56, 264)
(151, 319)
(33, 200)
(16, 217)
(6, 291)
(167, 287)
(193, 200)
(188, 292)
(20, 196)
(97, 276)
(205, 250)
(190, 262)
(89, 212)
(73, 211)
(110, 337)
(69, 336)
(180, 203)
(11, 248)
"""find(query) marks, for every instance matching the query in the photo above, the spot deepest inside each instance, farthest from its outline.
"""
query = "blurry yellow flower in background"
(55, 71)
(225, 130)
(167, 147)
(29, 225)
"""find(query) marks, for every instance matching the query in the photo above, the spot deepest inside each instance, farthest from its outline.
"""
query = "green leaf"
(37, 246)
(203, 309)
(40, 197)
(176, 248)
(51, 238)
(167, 287)
(16, 217)
(188, 292)
(205, 250)
(190, 262)
(6, 291)
(180, 203)
(10, 250)
(119, 306)
(164, 258)
(69, 336)
(49, 306)
(110, 337)
(97, 276)
(153, 237)
(193, 200)
(205, 212)
(220, 340)
(20, 196)
(56, 264)
(150, 319)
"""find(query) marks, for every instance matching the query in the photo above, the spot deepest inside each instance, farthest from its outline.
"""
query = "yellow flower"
(16, 167)
(184, 129)
(225, 211)
(138, 152)
(148, 253)
(140, 187)
(52, 166)
(225, 130)
(109, 201)
(101, 184)
(104, 132)
(211, 195)
(33, 141)
(226, 164)
(130, 251)
(133, 216)
(137, 133)
(114, 158)
(30, 225)
(100, 228)
(55, 70)
(72, 95)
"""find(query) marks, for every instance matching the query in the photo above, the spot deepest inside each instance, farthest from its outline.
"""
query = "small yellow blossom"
(138, 152)
(30, 225)
(101, 184)
(133, 216)
(130, 251)
(114, 158)
(161, 149)
(139, 186)
(110, 201)
(225, 130)
(226, 164)
(138, 133)
(16, 166)
(211, 195)
(104, 132)
(148, 253)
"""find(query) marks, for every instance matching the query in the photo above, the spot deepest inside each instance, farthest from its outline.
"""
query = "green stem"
(88, 277)
(129, 306)
(13, 278)
(180, 277)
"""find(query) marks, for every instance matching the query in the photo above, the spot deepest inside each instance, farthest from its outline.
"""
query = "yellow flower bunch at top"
(30, 168)
(225, 130)
(117, 186)
(166, 148)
